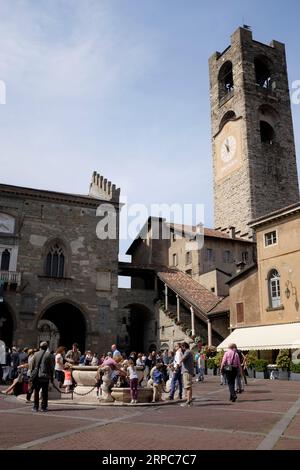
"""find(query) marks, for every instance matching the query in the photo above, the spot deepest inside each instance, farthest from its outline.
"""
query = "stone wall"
(91, 270)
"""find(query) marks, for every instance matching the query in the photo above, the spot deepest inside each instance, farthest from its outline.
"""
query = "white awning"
(286, 336)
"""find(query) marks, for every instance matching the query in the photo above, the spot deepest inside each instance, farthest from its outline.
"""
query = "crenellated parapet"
(101, 188)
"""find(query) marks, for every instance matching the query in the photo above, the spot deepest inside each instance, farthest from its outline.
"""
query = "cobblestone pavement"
(265, 416)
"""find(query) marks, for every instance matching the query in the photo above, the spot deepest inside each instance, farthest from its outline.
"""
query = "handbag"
(35, 373)
(229, 367)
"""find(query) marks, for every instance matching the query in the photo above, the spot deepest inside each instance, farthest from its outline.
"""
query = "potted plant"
(295, 371)
(283, 363)
(218, 360)
(211, 366)
(261, 368)
(251, 359)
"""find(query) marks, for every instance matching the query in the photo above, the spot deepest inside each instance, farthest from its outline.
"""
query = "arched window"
(263, 74)
(229, 116)
(274, 288)
(226, 84)
(267, 133)
(5, 260)
(55, 262)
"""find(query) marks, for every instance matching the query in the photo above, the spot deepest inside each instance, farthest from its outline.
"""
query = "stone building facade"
(213, 262)
(58, 279)
(254, 160)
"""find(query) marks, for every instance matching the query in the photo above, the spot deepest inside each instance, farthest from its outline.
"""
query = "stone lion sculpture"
(106, 385)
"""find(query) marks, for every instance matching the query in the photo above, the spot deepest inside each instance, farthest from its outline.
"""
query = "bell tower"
(254, 158)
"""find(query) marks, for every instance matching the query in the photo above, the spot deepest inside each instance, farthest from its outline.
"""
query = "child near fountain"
(133, 380)
(68, 378)
(158, 382)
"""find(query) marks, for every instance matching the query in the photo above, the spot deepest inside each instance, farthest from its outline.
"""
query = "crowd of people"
(29, 370)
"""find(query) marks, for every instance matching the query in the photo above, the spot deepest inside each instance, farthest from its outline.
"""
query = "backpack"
(157, 376)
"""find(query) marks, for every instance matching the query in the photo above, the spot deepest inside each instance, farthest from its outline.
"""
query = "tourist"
(15, 362)
(200, 367)
(95, 360)
(158, 382)
(41, 374)
(187, 368)
(140, 360)
(73, 356)
(115, 351)
(133, 381)
(68, 382)
(31, 353)
(177, 375)
(59, 365)
(230, 366)
(88, 358)
(239, 381)
(148, 365)
(17, 386)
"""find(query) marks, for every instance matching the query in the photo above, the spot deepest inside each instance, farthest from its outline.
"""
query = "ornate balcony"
(10, 277)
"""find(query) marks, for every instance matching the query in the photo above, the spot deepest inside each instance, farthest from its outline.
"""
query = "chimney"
(232, 232)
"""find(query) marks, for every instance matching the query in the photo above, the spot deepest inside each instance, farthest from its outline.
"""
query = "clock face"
(228, 149)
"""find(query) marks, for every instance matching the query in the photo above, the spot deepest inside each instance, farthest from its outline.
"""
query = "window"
(267, 133)
(271, 238)
(212, 289)
(55, 262)
(227, 256)
(189, 272)
(5, 260)
(262, 73)
(226, 85)
(209, 255)
(175, 261)
(188, 257)
(240, 312)
(274, 289)
(245, 257)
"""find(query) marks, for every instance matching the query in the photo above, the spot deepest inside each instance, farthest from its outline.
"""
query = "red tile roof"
(190, 290)
(223, 306)
(208, 232)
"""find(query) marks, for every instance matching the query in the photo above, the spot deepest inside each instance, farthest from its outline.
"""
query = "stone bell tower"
(254, 159)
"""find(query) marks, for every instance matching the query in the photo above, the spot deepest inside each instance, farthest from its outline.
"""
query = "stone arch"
(228, 116)
(140, 327)
(225, 78)
(268, 123)
(8, 323)
(263, 67)
(70, 319)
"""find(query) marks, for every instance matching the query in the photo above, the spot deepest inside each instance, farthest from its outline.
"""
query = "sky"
(121, 87)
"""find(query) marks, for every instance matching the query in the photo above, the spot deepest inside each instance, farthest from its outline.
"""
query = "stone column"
(178, 307)
(166, 297)
(192, 320)
(209, 333)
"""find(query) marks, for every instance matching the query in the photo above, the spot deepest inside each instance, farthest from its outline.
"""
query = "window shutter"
(240, 312)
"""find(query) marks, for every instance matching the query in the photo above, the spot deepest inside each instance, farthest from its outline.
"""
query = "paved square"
(266, 416)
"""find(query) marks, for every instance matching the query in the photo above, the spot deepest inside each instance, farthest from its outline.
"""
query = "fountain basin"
(122, 394)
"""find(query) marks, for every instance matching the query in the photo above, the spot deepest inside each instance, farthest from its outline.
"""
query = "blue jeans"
(177, 376)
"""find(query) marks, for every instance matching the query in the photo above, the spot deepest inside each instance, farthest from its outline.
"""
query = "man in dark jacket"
(42, 367)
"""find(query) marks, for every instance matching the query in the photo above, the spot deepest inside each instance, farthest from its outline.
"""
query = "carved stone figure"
(106, 385)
